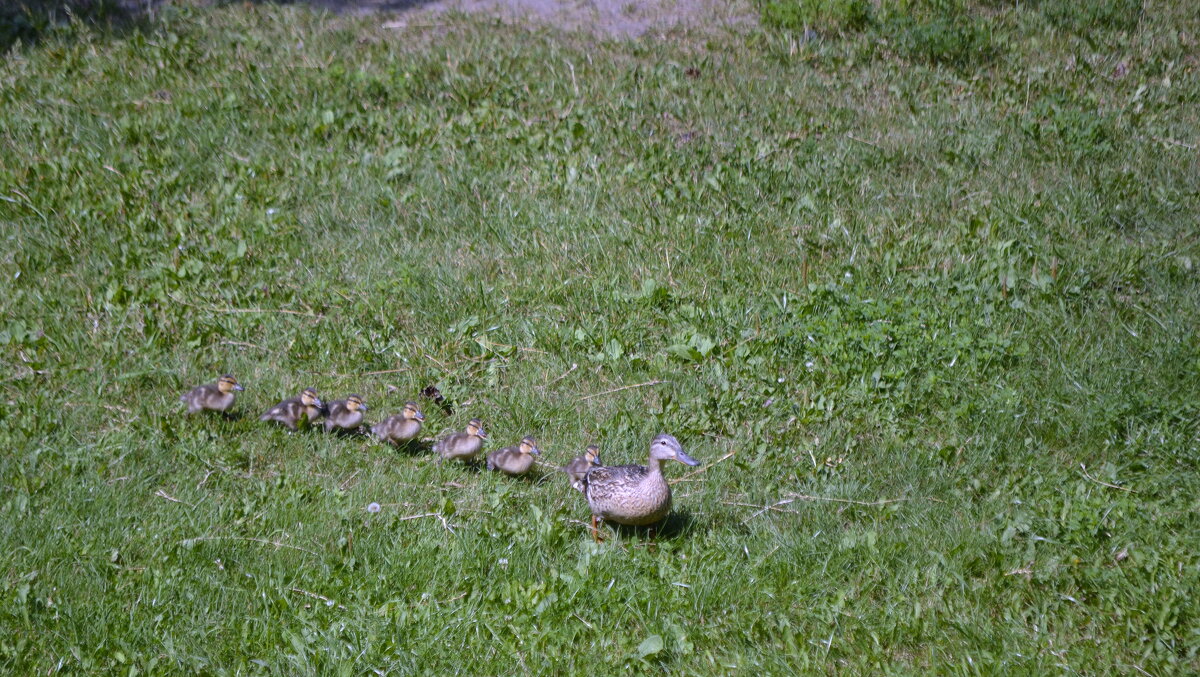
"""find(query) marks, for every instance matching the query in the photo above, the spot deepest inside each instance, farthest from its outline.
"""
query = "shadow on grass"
(535, 477)
(30, 21)
(678, 524)
(354, 6)
(411, 449)
(361, 432)
(474, 466)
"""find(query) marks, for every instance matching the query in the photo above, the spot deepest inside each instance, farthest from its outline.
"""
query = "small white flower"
(503, 561)
(271, 211)
(374, 507)
(810, 364)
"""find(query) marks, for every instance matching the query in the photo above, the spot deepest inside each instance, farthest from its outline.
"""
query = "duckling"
(302, 410)
(514, 460)
(213, 396)
(634, 494)
(400, 428)
(578, 468)
(464, 445)
(345, 414)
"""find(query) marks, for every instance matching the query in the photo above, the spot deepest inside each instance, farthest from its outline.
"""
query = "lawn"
(918, 283)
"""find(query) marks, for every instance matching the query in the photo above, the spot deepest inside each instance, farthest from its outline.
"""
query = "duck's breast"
(221, 401)
(407, 429)
(519, 465)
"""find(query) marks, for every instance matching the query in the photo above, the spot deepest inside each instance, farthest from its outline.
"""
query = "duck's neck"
(654, 466)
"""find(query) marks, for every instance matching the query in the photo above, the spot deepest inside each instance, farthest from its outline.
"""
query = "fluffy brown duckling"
(345, 414)
(400, 428)
(296, 411)
(514, 460)
(579, 466)
(212, 396)
(637, 495)
(463, 446)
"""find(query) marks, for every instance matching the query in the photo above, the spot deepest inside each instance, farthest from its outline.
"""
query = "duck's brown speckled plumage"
(217, 396)
(345, 414)
(291, 412)
(514, 460)
(637, 495)
(628, 494)
(463, 446)
(402, 427)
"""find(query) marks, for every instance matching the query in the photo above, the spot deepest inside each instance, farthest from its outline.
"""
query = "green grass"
(928, 291)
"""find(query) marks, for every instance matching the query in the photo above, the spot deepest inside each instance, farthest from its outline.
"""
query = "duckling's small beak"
(684, 458)
(535, 451)
(481, 434)
(317, 402)
(419, 416)
(238, 386)
(363, 406)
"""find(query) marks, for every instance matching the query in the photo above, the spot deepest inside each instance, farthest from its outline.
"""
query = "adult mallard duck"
(213, 396)
(400, 428)
(463, 446)
(514, 460)
(345, 414)
(304, 409)
(578, 468)
(634, 494)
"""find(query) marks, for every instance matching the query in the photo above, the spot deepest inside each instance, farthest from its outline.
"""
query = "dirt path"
(605, 18)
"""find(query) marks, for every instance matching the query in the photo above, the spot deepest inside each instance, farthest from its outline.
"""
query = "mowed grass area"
(936, 304)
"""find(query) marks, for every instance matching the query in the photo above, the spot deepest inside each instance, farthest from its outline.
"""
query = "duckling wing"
(284, 409)
(447, 444)
(193, 396)
(385, 429)
(196, 398)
